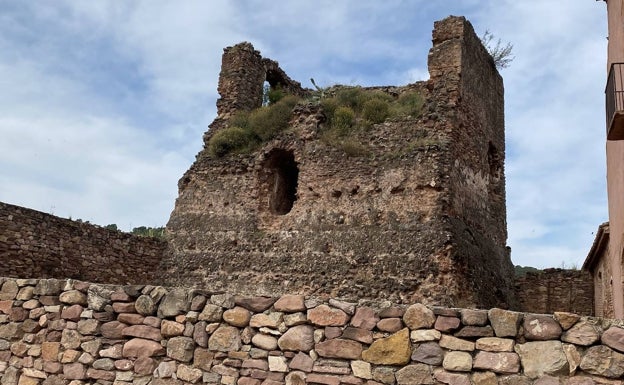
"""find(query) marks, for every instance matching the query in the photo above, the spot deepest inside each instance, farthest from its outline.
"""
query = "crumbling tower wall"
(417, 215)
(243, 75)
(465, 75)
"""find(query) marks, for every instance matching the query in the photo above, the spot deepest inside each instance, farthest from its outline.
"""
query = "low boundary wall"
(66, 331)
(36, 244)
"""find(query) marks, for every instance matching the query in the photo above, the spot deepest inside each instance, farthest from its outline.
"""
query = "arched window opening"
(266, 89)
(273, 89)
(282, 175)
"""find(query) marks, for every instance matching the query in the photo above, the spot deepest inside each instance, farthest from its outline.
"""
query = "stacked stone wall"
(36, 244)
(66, 331)
(552, 290)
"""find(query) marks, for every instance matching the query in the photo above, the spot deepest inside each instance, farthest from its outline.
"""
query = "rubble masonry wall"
(67, 331)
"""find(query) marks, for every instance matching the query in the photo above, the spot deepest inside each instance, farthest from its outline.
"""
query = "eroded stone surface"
(425, 335)
(541, 327)
(453, 343)
(324, 315)
(237, 316)
(451, 378)
(138, 347)
(543, 357)
(603, 361)
(428, 353)
(417, 374)
(339, 348)
(457, 362)
(297, 338)
(582, 333)
(501, 362)
(290, 303)
(264, 341)
(255, 304)
(365, 318)
(225, 339)
(504, 322)
(418, 316)
(614, 338)
(393, 350)
(566, 319)
(495, 344)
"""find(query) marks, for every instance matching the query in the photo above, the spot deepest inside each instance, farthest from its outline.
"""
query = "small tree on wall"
(500, 52)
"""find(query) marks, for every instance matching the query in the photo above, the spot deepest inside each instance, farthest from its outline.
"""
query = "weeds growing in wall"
(349, 111)
(353, 110)
(247, 130)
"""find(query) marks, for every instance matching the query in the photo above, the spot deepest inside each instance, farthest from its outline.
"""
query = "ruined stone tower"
(415, 213)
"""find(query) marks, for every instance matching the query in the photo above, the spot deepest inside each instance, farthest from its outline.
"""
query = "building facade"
(605, 258)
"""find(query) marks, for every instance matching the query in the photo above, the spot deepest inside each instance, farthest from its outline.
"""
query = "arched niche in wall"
(280, 176)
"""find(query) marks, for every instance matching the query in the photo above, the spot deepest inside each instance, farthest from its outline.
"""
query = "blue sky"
(103, 103)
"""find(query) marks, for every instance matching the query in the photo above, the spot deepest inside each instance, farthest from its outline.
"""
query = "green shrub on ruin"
(275, 94)
(271, 94)
(329, 106)
(240, 119)
(248, 129)
(348, 111)
(408, 104)
(371, 106)
(154, 232)
(375, 110)
(352, 97)
(266, 122)
(343, 120)
(230, 139)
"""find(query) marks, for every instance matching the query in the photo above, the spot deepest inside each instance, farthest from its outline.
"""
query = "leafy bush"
(248, 129)
(275, 94)
(350, 110)
(228, 140)
(355, 109)
(329, 106)
(375, 110)
(343, 120)
(353, 98)
(409, 104)
(271, 95)
(240, 119)
(266, 122)
(372, 106)
(155, 232)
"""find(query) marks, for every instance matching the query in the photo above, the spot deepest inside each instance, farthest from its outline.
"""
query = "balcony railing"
(614, 97)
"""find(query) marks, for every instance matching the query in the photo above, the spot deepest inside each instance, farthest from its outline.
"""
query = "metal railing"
(614, 92)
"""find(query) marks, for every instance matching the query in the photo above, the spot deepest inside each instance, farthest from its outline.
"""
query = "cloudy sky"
(103, 103)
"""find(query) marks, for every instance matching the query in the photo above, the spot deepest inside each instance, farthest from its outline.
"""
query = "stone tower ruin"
(416, 213)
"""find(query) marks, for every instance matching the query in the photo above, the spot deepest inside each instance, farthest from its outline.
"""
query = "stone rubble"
(70, 332)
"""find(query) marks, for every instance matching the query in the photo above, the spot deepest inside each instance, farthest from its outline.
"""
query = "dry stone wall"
(36, 244)
(73, 332)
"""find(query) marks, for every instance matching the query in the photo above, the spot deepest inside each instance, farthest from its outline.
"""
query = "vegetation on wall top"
(348, 110)
(353, 110)
(143, 231)
(501, 53)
